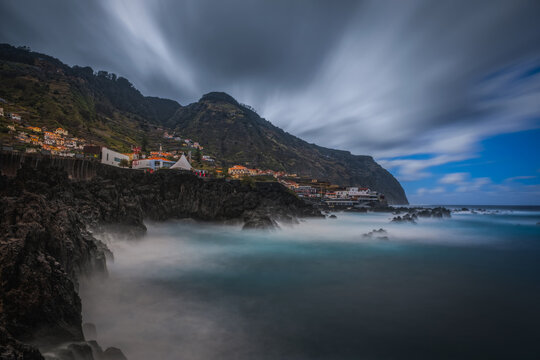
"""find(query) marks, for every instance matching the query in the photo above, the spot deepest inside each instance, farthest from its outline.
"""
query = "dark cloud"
(386, 78)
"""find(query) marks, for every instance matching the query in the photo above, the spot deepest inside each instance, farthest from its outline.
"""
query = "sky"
(444, 94)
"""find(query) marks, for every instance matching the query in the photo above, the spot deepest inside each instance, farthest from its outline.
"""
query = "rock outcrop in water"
(46, 242)
(412, 214)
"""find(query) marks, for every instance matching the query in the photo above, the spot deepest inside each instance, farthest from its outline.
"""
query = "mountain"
(236, 134)
(108, 110)
(97, 106)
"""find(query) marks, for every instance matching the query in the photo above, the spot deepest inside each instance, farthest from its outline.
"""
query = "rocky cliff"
(47, 242)
(235, 134)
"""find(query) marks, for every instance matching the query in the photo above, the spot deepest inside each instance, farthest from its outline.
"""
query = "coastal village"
(188, 157)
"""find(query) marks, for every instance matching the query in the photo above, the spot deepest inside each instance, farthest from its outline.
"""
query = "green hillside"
(99, 107)
(107, 110)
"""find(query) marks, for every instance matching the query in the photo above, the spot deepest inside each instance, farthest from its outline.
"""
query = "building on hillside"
(305, 191)
(110, 157)
(132, 155)
(1, 111)
(342, 193)
(289, 184)
(196, 145)
(15, 117)
(356, 191)
(61, 131)
(49, 135)
(34, 140)
(70, 143)
(238, 171)
(152, 163)
(34, 128)
(331, 195)
(207, 158)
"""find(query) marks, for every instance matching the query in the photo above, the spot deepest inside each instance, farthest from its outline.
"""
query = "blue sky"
(506, 170)
(494, 157)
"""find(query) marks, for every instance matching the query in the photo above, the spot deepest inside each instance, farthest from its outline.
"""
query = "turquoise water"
(461, 288)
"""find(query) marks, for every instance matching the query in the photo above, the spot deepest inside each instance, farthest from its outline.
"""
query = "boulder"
(113, 353)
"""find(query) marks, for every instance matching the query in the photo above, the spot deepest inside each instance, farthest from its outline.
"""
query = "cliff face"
(235, 134)
(45, 242)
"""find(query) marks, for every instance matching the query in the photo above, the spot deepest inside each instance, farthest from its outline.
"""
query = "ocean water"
(467, 287)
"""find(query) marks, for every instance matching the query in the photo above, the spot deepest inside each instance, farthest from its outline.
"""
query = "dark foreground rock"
(113, 353)
(47, 241)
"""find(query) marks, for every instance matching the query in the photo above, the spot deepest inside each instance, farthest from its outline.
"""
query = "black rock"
(332, 216)
(81, 351)
(405, 218)
(48, 224)
(113, 353)
(260, 222)
(97, 351)
(376, 234)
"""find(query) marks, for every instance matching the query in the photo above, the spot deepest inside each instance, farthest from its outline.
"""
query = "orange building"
(238, 171)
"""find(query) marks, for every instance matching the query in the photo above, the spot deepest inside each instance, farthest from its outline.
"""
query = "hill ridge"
(107, 109)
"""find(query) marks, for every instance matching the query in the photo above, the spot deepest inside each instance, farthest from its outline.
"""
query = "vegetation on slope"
(108, 110)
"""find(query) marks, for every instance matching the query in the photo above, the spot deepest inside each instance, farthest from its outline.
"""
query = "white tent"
(182, 164)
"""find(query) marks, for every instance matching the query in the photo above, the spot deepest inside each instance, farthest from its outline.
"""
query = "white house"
(113, 158)
(355, 191)
(152, 163)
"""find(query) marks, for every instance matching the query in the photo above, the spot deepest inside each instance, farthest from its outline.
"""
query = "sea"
(465, 287)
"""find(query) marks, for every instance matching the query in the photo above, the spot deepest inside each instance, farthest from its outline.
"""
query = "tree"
(123, 163)
(144, 143)
(198, 156)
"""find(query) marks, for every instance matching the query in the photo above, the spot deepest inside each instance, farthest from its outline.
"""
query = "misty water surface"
(466, 287)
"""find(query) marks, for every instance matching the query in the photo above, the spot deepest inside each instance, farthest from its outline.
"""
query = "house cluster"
(239, 171)
(332, 194)
(185, 142)
(56, 142)
(149, 164)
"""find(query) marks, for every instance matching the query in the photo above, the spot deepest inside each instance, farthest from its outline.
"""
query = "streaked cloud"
(454, 178)
(417, 84)
(436, 190)
(525, 177)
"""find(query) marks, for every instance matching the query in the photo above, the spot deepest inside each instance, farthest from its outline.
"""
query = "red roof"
(157, 158)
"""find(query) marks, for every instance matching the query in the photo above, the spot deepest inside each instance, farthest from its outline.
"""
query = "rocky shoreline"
(48, 225)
